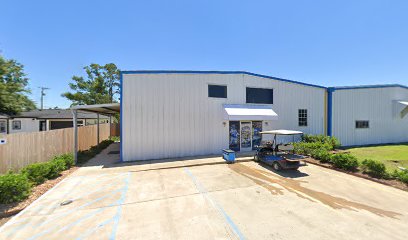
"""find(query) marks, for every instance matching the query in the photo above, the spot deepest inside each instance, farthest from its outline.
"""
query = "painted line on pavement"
(118, 202)
(119, 212)
(215, 204)
(30, 206)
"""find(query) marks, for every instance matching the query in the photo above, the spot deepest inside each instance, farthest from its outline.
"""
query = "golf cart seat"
(285, 147)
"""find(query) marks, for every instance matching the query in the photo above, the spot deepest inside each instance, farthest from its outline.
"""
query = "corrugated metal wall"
(375, 105)
(171, 115)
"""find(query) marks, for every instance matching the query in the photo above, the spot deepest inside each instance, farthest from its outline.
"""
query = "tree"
(13, 88)
(100, 86)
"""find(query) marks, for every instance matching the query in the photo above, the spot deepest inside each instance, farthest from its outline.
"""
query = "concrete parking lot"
(204, 198)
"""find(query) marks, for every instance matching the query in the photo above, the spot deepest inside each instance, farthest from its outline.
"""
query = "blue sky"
(330, 43)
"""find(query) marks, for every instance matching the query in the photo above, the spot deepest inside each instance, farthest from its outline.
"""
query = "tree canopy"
(101, 85)
(13, 88)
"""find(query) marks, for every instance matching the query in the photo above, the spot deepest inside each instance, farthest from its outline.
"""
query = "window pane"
(259, 95)
(217, 91)
(362, 124)
(2, 127)
(16, 125)
(302, 117)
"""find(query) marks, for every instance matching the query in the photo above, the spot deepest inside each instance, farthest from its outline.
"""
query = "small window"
(16, 124)
(362, 124)
(302, 117)
(217, 91)
(259, 95)
(3, 127)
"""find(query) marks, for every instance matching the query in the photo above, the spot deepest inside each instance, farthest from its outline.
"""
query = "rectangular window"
(362, 124)
(217, 91)
(259, 95)
(16, 124)
(3, 127)
(302, 117)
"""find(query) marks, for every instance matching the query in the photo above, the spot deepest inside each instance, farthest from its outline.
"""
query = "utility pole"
(42, 96)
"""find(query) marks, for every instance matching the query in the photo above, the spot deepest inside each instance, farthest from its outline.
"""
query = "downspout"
(121, 116)
(330, 91)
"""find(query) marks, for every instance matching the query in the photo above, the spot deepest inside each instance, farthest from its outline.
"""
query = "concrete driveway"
(207, 199)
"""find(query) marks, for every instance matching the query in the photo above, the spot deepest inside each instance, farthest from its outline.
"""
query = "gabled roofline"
(368, 86)
(218, 72)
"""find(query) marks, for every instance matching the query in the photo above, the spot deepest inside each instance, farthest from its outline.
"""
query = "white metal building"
(368, 114)
(166, 114)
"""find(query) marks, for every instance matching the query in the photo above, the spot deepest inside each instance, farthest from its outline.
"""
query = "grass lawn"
(392, 156)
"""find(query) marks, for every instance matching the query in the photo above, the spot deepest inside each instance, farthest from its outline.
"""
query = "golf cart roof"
(282, 132)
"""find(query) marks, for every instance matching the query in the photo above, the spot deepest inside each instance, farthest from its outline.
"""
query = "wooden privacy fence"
(22, 149)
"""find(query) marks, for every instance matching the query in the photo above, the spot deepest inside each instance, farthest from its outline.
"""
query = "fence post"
(97, 129)
(75, 123)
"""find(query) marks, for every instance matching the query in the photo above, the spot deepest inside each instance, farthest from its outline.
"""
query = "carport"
(107, 109)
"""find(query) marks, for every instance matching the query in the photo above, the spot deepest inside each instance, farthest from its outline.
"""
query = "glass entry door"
(246, 136)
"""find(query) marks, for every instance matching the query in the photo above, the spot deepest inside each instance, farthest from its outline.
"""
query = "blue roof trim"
(369, 86)
(218, 72)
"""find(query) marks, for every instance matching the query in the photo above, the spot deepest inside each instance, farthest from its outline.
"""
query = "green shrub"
(374, 168)
(56, 166)
(321, 154)
(331, 141)
(68, 160)
(401, 175)
(37, 172)
(114, 138)
(306, 148)
(14, 188)
(344, 161)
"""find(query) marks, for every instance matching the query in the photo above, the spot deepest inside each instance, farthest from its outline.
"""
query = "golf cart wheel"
(256, 158)
(276, 166)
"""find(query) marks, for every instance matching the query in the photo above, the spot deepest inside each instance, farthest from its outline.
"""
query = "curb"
(356, 175)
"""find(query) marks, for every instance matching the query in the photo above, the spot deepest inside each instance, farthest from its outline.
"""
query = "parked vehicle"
(279, 155)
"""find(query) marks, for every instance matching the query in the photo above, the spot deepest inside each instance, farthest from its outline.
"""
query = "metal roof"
(54, 114)
(217, 72)
(368, 86)
(108, 108)
(258, 75)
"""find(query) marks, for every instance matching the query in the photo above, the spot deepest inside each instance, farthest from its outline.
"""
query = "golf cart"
(279, 155)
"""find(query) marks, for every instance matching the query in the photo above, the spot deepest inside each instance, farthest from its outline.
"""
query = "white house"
(44, 120)
(166, 114)
(363, 115)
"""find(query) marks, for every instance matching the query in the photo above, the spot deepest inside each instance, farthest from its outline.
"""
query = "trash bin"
(228, 155)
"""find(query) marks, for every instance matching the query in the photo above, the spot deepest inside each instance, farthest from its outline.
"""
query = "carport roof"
(107, 108)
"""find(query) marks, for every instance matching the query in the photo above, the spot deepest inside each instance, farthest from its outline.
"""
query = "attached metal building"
(364, 115)
(167, 114)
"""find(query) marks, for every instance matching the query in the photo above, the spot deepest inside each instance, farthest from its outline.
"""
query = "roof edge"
(218, 72)
(367, 86)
